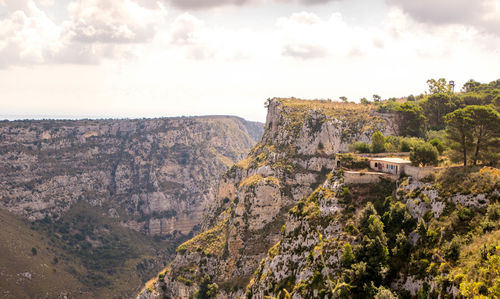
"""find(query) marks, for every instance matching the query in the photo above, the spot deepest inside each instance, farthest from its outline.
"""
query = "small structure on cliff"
(394, 166)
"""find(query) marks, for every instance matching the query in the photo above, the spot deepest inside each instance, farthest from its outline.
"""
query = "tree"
(378, 142)
(411, 98)
(435, 107)
(207, 289)
(437, 144)
(459, 126)
(410, 119)
(364, 101)
(347, 257)
(470, 86)
(486, 130)
(343, 99)
(376, 98)
(424, 154)
(439, 86)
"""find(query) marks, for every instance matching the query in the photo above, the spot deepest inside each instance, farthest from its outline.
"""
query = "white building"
(389, 165)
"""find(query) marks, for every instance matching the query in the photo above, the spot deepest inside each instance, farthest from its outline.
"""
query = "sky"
(159, 58)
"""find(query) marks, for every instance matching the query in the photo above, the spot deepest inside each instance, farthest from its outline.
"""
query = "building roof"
(392, 160)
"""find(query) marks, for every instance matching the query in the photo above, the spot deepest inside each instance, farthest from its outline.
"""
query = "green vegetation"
(459, 248)
(410, 119)
(424, 154)
(470, 118)
(360, 147)
(474, 181)
(473, 133)
(100, 250)
(378, 142)
(207, 289)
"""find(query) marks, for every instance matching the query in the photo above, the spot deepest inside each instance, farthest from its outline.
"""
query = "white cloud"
(484, 15)
(200, 41)
(113, 21)
(306, 36)
(204, 4)
(94, 30)
(25, 34)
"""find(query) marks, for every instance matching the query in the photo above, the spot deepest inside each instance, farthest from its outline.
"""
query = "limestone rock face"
(254, 196)
(154, 175)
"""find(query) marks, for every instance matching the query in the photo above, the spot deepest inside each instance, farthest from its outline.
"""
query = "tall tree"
(435, 107)
(470, 85)
(378, 142)
(410, 119)
(459, 133)
(376, 98)
(486, 130)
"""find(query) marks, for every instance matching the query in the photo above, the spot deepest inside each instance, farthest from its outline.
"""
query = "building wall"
(393, 167)
(418, 172)
(356, 177)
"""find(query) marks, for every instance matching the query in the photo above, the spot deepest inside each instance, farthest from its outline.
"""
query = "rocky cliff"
(154, 175)
(83, 185)
(244, 221)
(285, 225)
(411, 238)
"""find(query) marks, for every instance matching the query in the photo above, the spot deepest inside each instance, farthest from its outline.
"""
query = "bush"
(437, 144)
(347, 257)
(383, 293)
(405, 145)
(424, 154)
(360, 147)
(452, 249)
(378, 142)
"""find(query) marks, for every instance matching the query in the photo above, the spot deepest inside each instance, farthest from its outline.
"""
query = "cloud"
(200, 41)
(203, 4)
(95, 29)
(112, 21)
(25, 34)
(484, 15)
(306, 36)
(199, 4)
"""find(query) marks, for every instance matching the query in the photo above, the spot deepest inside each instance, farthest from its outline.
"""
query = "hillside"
(285, 224)
(294, 156)
(112, 198)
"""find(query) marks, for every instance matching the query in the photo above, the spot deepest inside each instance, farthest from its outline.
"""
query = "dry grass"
(212, 241)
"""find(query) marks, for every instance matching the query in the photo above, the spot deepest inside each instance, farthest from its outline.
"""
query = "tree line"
(465, 123)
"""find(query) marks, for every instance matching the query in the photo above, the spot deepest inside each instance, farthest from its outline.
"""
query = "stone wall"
(419, 172)
(357, 177)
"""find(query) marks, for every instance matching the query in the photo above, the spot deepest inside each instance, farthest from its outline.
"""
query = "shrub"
(405, 145)
(452, 249)
(438, 145)
(383, 293)
(360, 147)
(425, 154)
(348, 256)
(378, 142)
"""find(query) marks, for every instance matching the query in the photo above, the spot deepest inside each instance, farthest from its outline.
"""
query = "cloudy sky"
(148, 58)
